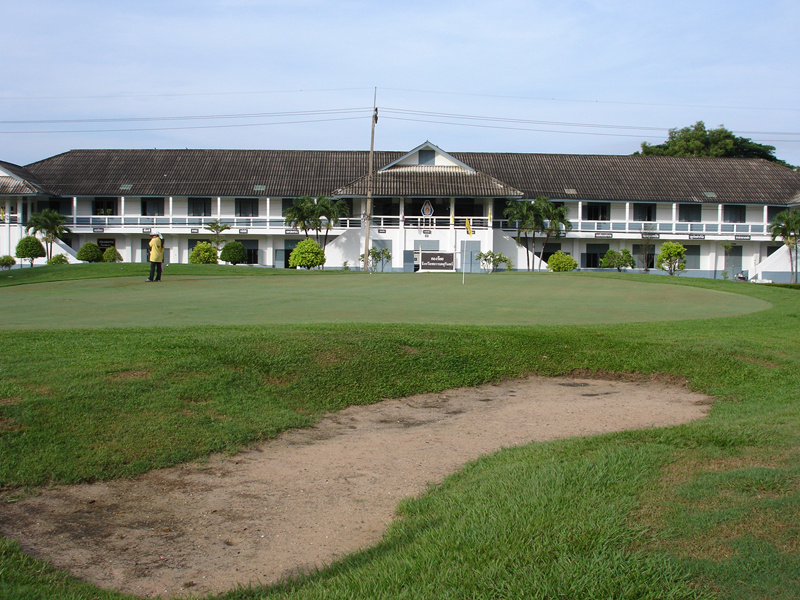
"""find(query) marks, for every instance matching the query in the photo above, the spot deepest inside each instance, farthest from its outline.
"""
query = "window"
(551, 248)
(104, 206)
(467, 207)
(427, 157)
(690, 213)
(644, 255)
(152, 207)
(692, 257)
(734, 213)
(772, 212)
(593, 254)
(384, 207)
(199, 207)
(246, 207)
(596, 211)
(644, 212)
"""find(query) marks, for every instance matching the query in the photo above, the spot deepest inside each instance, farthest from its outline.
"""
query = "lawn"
(706, 510)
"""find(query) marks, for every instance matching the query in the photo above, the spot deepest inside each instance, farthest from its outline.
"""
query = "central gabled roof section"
(427, 170)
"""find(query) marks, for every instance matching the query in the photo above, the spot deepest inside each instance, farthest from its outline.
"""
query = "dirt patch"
(312, 495)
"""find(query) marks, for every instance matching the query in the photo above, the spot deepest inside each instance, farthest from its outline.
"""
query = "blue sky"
(574, 76)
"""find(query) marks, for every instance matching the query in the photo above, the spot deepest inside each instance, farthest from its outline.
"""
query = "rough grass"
(705, 510)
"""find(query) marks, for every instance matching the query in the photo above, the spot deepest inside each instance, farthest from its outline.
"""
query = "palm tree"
(786, 225)
(528, 218)
(50, 223)
(328, 213)
(555, 222)
(302, 214)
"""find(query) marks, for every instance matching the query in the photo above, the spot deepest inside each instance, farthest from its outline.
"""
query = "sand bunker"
(312, 495)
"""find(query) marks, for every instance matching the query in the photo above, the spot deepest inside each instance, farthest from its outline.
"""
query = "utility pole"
(368, 215)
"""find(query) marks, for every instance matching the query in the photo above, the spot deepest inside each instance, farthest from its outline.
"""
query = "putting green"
(497, 299)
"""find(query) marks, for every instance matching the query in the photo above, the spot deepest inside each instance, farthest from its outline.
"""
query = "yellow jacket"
(156, 250)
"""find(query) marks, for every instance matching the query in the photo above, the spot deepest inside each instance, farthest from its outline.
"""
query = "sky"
(571, 77)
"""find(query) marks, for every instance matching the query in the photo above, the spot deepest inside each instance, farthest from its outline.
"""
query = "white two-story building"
(719, 209)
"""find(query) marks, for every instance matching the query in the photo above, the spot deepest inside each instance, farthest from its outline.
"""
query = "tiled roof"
(430, 181)
(292, 173)
(20, 183)
(283, 173)
(641, 178)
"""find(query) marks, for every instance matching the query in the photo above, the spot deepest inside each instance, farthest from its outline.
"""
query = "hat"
(155, 232)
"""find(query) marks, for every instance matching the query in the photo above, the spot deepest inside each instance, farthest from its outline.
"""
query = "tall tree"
(50, 224)
(786, 225)
(328, 213)
(216, 227)
(696, 140)
(555, 222)
(528, 219)
(302, 214)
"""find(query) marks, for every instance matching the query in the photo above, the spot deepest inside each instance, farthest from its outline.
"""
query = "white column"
(766, 214)
(268, 209)
(720, 213)
(674, 212)
(122, 206)
(219, 206)
(75, 207)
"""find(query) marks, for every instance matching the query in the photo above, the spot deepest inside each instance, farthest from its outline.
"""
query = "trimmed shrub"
(672, 258)
(560, 262)
(112, 255)
(6, 262)
(203, 254)
(58, 259)
(618, 260)
(90, 252)
(234, 253)
(30, 248)
(307, 254)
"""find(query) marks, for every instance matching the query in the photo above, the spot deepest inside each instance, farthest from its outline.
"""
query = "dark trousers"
(155, 270)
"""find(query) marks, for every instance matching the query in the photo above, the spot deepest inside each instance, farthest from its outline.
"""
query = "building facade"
(423, 199)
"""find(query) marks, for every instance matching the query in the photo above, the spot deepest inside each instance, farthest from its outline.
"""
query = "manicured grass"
(270, 296)
(704, 510)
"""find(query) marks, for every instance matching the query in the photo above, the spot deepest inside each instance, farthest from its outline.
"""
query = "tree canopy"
(696, 140)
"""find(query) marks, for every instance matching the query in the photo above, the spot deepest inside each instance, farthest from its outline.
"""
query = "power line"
(583, 101)
(189, 117)
(183, 127)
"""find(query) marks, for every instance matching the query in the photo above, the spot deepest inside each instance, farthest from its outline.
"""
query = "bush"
(672, 258)
(112, 255)
(58, 259)
(307, 254)
(31, 248)
(203, 254)
(490, 261)
(618, 260)
(234, 253)
(560, 262)
(6, 262)
(90, 252)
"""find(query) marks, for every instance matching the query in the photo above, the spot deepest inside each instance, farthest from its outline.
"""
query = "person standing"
(156, 256)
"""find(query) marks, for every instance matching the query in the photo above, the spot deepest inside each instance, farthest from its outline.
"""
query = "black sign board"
(437, 261)
(742, 237)
(243, 231)
(107, 243)
(604, 236)
(697, 236)
(98, 230)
